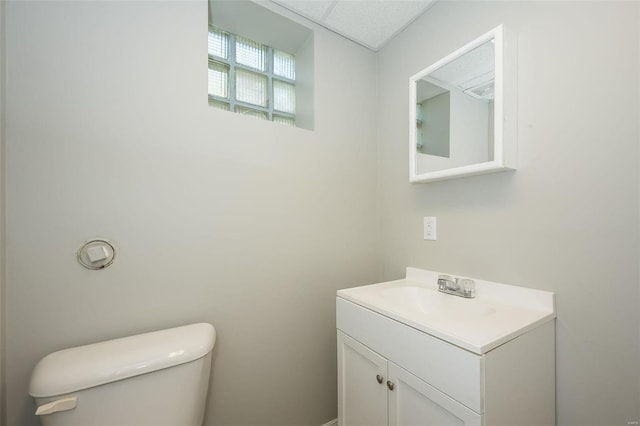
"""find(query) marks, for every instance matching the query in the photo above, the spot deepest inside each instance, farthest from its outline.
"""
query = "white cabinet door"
(362, 389)
(413, 402)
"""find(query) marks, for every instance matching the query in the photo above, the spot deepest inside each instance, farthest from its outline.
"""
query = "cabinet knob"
(379, 378)
(390, 385)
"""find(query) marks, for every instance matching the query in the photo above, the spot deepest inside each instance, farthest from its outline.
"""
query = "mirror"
(459, 124)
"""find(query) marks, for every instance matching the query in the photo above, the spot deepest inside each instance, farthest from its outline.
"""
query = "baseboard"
(331, 423)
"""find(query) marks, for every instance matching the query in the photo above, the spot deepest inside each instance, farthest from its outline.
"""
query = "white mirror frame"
(505, 108)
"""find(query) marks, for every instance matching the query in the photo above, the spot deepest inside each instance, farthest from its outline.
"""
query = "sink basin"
(496, 315)
(432, 302)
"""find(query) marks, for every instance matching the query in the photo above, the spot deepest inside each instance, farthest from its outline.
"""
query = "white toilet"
(159, 378)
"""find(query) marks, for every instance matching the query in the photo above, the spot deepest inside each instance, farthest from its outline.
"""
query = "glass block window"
(284, 97)
(251, 54)
(284, 120)
(284, 65)
(251, 112)
(217, 104)
(218, 79)
(250, 78)
(251, 87)
(218, 43)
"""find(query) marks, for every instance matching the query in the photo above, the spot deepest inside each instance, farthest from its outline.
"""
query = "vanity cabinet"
(390, 373)
(374, 391)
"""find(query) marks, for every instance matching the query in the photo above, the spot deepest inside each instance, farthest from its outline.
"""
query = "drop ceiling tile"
(370, 23)
(313, 9)
(373, 22)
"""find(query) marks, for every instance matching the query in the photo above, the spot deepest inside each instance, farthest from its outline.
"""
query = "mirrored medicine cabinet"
(462, 115)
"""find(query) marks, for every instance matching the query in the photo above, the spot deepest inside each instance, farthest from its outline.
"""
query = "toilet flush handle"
(63, 404)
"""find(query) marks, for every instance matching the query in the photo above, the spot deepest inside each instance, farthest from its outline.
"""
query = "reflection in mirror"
(432, 119)
(455, 105)
(454, 112)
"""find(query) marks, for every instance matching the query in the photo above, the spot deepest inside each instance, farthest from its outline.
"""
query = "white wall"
(252, 226)
(216, 217)
(638, 71)
(567, 219)
(2, 211)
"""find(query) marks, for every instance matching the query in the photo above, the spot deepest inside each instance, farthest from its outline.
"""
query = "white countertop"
(497, 314)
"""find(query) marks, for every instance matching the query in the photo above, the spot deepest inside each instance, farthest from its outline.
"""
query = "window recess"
(251, 78)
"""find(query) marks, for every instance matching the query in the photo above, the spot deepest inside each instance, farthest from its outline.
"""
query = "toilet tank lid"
(83, 367)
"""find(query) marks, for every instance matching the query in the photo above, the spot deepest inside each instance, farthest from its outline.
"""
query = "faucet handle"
(468, 287)
(444, 281)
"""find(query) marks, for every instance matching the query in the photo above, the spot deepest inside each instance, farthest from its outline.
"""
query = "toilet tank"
(159, 378)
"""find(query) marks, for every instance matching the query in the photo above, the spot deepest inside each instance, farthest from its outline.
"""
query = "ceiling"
(370, 23)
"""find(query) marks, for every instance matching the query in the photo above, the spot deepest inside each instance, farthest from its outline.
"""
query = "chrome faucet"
(463, 287)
